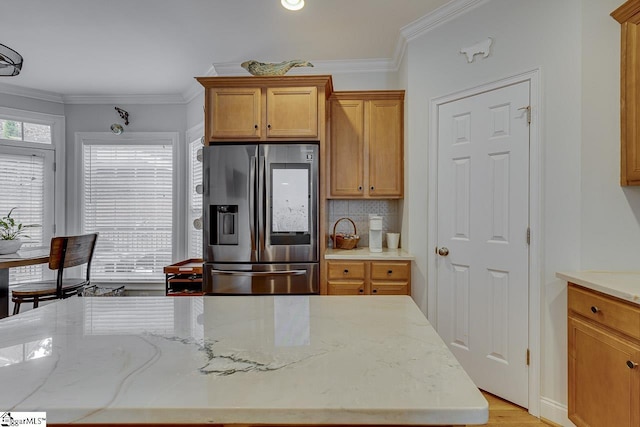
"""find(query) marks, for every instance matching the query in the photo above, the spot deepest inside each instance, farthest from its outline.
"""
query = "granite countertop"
(364, 254)
(248, 359)
(621, 284)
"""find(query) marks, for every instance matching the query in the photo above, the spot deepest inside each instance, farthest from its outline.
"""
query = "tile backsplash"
(358, 211)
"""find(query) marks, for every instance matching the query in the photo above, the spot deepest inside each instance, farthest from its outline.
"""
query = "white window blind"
(22, 178)
(127, 193)
(195, 199)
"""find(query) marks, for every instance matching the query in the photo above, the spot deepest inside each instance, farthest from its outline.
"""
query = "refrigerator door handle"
(261, 273)
(252, 202)
(262, 204)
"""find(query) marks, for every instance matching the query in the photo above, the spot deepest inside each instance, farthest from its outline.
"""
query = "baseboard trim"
(554, 413)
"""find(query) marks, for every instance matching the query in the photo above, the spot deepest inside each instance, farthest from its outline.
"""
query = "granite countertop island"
(234, 360)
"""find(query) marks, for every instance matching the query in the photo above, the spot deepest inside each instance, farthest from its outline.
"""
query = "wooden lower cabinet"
(369, 277)
(604, 377)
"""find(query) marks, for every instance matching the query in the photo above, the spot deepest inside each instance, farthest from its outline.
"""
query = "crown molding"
(124, 99)
(438, 17)
(42, 95)
(430, 21)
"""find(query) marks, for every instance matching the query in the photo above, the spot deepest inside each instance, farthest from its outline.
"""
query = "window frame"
(196, 133)
(57, 146)
(159, 138)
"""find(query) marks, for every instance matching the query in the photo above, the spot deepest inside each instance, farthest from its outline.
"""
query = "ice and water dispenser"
(224, 227)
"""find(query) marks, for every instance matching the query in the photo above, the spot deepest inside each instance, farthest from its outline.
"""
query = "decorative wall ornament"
(273, 69)
(483, 47)
(123, 115)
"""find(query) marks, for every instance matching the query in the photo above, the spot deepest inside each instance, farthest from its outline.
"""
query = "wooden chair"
(66, 252)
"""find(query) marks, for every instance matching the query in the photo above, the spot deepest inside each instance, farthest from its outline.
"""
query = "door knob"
(443, 251)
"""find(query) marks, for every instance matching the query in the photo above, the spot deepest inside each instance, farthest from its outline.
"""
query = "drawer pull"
(631, 365)
(594, 309)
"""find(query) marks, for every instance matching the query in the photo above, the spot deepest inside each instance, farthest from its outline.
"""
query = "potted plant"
(11, 232)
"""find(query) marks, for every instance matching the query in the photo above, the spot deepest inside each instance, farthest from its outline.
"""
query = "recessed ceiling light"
(292, 4)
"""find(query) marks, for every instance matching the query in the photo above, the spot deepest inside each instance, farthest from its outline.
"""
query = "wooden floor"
(506, 414)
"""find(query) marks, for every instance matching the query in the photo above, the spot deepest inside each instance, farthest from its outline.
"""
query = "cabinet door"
(604, 382)
(292, 112)
(234, 113)
(347, 148)
(384, 130)
(346, 287)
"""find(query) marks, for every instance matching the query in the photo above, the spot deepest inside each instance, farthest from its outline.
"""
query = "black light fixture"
(10, 61)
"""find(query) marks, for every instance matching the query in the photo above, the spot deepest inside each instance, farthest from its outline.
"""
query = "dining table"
(24, 257)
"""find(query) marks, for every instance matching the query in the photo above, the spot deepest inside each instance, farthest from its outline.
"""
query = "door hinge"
(54, 166)
(528, 108)
(528, 357)
(54, 229)
(528, 235)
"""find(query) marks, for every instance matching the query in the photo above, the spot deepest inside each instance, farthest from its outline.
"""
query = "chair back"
(71, 251)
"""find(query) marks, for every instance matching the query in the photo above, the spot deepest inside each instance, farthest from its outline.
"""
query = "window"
(13, 130)
(29, 146)
(127, 196)
(194, 219)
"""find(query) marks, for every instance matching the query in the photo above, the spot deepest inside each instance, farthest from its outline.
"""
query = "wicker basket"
(345, 241)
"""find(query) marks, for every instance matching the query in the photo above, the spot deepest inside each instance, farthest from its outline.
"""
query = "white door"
(483, 218)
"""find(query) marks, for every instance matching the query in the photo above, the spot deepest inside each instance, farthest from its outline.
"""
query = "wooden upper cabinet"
(366, 158)
(235, 113)
(384, 126)
(265, 108)
(346, 145)
(628, 15)
(292, 112)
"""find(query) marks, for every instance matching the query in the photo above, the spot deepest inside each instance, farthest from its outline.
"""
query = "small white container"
(393, 239)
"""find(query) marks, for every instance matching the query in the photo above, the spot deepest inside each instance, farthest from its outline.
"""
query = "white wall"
(98, 118)
(610, 213)
(528, 35)
(31, 104)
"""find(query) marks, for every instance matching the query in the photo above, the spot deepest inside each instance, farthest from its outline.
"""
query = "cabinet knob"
(631, 365)
(346, 271)
(360, 188)
(375, 291)
(361, 290)
(390, 272)
(372, 187)
(594, 309)
(255, 126)
(269, 126)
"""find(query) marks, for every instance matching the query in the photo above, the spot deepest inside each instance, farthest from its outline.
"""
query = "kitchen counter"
(620, 284)
(230, 360)
(364, 254)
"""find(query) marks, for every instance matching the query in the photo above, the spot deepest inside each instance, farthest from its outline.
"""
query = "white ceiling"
(156, 47)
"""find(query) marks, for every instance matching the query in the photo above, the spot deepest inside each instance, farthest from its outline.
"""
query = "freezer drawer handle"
(261, 273)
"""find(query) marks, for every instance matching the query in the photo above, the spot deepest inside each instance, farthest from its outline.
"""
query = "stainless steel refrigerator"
(261, 219)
